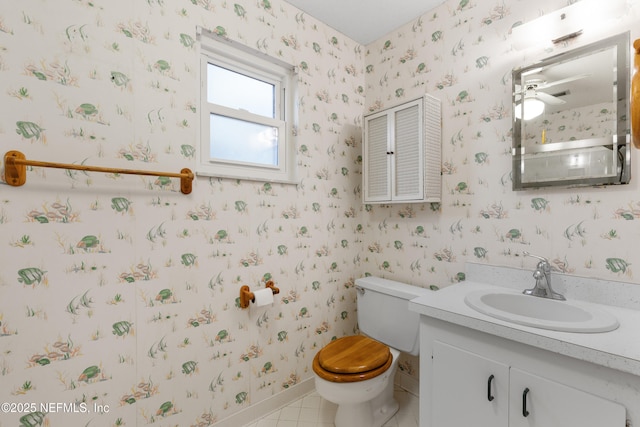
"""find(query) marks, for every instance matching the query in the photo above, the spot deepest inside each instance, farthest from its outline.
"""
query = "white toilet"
(357, 372)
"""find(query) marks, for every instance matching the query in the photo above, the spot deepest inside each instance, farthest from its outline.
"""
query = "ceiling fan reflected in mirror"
(529, 109)
(535, 100)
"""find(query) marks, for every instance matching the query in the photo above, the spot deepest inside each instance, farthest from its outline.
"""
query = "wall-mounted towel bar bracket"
(246, 296)
(15, 170)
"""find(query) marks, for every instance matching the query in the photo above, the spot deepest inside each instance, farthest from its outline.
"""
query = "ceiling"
(365, 21)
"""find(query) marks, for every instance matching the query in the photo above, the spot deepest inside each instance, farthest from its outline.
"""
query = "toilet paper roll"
(263, 297)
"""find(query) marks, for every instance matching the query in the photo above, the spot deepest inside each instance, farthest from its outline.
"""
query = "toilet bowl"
(357, 372)
(361, 386)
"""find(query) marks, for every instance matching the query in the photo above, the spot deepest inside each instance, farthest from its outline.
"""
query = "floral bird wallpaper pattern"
(120, 292)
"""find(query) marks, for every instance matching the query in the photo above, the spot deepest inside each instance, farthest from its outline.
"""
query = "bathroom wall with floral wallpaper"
(118, 293)
(463, 53)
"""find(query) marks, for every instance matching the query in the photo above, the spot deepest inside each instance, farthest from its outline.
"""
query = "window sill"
(247, 178)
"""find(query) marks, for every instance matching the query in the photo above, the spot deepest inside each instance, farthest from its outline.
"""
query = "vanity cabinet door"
(539, 402)
(467, 389)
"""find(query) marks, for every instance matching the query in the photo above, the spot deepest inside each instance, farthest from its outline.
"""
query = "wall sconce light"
(529, 109)
(588, 17)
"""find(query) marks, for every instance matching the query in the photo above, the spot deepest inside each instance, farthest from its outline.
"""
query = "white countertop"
(618, 349)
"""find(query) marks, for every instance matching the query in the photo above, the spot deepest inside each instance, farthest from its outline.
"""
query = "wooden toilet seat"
(351, 359)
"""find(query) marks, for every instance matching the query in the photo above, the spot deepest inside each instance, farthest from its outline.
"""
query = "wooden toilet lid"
(354, 355)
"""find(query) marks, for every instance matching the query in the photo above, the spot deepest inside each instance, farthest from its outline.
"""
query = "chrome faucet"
(542, 274)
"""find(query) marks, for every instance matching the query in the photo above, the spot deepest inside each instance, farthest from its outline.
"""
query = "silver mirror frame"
(620, 142)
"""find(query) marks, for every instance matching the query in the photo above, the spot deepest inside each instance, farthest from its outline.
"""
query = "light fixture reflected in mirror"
(556, 149)
(532, 108)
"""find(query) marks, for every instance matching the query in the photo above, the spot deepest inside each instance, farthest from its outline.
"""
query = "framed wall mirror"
(571, 118)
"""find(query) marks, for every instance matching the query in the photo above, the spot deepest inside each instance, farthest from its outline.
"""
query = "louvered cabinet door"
(377, 167)
(402, 153)
(407, 161)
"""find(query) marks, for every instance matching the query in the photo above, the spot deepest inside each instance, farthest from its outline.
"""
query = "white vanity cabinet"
(402, 153)
(469, 389)
(536, 401)
(481, 371)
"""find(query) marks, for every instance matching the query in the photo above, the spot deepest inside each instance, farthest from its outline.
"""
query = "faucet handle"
(543, 259)
(542, 264)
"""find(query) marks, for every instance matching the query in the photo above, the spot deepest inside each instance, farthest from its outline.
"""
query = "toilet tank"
(383, 312)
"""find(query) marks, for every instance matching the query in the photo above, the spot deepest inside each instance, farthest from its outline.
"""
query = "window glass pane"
(241, 141)
(240, 92)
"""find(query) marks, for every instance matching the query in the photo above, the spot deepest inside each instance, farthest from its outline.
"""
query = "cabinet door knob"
(525, 413)
(489, 381)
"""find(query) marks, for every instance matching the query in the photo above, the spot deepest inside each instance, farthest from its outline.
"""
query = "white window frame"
(222, 52)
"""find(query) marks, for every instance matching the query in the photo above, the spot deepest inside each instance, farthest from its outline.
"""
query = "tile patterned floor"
(313, 411)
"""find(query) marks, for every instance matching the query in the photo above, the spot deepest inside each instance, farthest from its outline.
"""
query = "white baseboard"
(284, 398)
(408, 383)
(269, 405)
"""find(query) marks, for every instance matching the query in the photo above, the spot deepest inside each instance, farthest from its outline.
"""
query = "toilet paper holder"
(246, 296)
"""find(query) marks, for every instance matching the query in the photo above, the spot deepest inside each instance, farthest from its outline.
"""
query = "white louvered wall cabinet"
(402, 153)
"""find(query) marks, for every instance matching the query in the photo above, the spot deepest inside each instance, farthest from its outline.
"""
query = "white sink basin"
(566, 316)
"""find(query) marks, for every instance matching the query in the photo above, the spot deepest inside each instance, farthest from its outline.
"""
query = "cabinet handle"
(390, 152)
(525, 413)
(489, 381)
